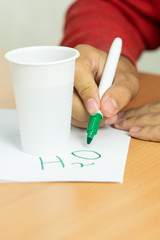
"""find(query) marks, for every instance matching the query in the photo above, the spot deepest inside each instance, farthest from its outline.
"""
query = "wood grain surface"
(87, 211)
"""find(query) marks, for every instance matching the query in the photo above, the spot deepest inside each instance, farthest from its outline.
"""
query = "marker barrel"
(93, 125)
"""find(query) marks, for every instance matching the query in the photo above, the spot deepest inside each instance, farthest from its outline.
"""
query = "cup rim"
(9, 55)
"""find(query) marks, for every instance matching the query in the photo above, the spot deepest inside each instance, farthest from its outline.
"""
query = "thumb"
(86, 87)
(124, 88)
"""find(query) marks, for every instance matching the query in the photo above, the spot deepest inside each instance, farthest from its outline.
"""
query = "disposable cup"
(43, 79)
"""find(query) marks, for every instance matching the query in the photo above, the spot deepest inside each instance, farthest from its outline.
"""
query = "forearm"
(97, 23)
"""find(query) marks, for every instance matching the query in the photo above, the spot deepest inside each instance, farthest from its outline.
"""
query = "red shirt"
(98, 22)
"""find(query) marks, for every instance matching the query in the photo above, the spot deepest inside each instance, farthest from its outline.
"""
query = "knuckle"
(147, 132)
(83, 47)
(130, 82)
(130, 113)
(135, 86)
(79, 46)
(144, 118)
(157, 104)
(152, 133)
(82, 66)
(157, 134)
(155, 117)
(149, 107)
(86, 91)
(135, 112)
(132, 121)
(155, 107)
(133, 79)
(124, 93)
(79, 66)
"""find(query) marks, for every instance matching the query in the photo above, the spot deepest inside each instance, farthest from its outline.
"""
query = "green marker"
(105, 83)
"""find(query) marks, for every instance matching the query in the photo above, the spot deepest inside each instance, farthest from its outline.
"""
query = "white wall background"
(150, 61)
(31, 22)
(40, 22)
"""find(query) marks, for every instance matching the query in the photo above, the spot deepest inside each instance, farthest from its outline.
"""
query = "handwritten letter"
(101, 161)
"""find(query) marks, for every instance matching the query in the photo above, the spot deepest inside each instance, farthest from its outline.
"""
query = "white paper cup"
(43, 86)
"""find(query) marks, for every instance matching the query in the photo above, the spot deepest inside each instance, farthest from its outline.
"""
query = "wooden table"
(87, 211)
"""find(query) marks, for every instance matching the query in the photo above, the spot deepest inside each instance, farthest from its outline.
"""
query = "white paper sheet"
(102, 161)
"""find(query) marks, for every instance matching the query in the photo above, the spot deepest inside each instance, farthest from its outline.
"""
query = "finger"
(148, 133)
(86, 87)
(79, 111)
(82, 124)
(141, 121)
(111, 120)
(124, 88)
(149, 108)
(79, 124)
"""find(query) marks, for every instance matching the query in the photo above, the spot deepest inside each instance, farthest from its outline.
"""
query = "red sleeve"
(98, 22)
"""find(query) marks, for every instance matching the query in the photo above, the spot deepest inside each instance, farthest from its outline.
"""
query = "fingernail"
(111, 120)
(91, 106)
(135, 129)
(110, 106)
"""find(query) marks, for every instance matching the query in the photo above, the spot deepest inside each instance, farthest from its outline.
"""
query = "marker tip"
(89, 140)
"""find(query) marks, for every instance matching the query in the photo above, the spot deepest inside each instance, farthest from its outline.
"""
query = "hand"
(88, 72)
(142, 122)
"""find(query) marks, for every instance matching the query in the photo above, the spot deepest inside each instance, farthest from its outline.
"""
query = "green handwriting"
(75, 154)
(81, 151)
(83, 165)
(60, 161)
